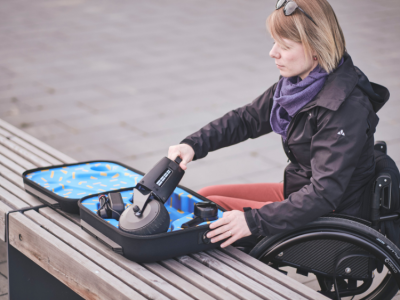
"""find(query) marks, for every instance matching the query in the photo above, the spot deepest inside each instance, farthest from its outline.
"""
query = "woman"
(325, 110)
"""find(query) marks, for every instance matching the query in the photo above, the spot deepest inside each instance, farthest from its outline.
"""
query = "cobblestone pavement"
(123, 80)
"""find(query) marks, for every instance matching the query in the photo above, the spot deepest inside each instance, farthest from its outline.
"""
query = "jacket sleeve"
(335, 148)
(249, 121)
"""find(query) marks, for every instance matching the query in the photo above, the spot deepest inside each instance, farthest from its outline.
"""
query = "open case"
(75, 188)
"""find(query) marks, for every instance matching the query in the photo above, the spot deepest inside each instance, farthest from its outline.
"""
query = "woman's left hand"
(232, 225)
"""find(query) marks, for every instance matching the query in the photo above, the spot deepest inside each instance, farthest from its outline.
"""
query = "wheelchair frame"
(368, 246)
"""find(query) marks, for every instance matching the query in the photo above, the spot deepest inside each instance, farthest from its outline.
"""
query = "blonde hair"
(326, 39)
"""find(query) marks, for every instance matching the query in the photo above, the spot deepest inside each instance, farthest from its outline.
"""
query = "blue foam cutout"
(78, 181)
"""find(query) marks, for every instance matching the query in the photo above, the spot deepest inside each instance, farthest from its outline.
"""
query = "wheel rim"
(387, 281)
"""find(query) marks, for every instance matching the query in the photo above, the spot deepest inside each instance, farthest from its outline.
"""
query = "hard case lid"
(62, 186)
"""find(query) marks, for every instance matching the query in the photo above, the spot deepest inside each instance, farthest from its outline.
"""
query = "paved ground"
(123, 80)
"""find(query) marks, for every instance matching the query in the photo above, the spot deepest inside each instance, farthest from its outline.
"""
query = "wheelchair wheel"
(343, 255)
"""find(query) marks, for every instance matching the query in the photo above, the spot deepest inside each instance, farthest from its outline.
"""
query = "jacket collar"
(337, 88)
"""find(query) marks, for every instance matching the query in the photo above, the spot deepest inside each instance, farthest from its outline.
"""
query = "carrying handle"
(178, 160)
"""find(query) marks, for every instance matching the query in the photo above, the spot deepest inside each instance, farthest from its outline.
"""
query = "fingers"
(224, 220)
(184, 151)
(185, 160)
(231, 227)
(229, 237)
(227, 234)
(173, 152)
(219, 230)
(229, 241)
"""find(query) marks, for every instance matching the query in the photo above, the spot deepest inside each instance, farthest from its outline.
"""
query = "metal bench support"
(27, 280)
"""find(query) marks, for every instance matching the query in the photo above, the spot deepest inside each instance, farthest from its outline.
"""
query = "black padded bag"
(141, 246)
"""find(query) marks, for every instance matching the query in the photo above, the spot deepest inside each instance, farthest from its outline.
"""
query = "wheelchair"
(346, 253)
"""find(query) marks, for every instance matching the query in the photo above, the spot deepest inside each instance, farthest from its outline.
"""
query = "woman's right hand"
(184, 151)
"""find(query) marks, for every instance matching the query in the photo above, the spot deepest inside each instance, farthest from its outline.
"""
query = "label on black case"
(163, 178)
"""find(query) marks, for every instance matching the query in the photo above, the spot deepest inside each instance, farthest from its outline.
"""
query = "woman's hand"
(232, 225)
(184, 151)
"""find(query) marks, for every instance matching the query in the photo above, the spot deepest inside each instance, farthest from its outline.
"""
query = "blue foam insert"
(78, 181)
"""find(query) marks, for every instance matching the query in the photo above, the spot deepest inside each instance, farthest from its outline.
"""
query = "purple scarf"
(291, 95)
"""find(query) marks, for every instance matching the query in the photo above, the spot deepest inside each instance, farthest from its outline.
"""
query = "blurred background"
(123, 80)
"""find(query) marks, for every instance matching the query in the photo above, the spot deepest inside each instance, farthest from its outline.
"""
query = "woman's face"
(291, 60)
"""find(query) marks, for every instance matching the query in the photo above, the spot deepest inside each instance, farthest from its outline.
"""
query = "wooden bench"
(54, 241)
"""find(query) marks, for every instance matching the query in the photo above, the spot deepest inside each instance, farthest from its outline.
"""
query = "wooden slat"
(94, 256)
(67, 265)
(197, 280)
(11, 200)
(236, 276)
(72, 217)
(36, 151)
(216, 278)
(20, 193)
(29, 147)
(132, 267)
(29, 156)
(16, 158)
(11, 165)
(273, 274)
(11, 176)
(256, 276)
(39, 144)
(177, 281)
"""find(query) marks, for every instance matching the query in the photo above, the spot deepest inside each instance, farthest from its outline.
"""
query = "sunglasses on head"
(290, 8)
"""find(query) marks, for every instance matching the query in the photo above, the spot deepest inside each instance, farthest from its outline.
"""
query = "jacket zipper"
(287, 136)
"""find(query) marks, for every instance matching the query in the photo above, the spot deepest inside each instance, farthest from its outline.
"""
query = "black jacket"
(329, 143)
